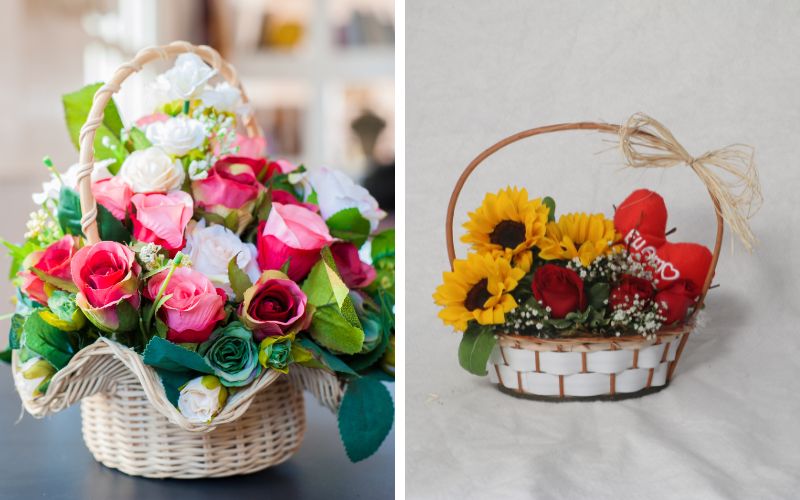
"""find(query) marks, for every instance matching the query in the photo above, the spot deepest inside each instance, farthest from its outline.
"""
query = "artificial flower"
(286, 198)
(560, 289)
(276, 352)
(274, 305)
(507, 223)
(232, 354)
(51, 189)
(354, 272)
(50, 266)
(177, 136)
(194, 307)
(231, 189)
(631, 289)
(478, 288)
(146, 120)
(212, 247)
(107, 277)
(336, 192)
(251, 147)
(151, 170)
(224, 97)
(31, 377)
(674, 302)
(187, 79)
(292, 234)
(579, 235)
(202, 398)
(114, 195)
(62, 312)
(161, 218)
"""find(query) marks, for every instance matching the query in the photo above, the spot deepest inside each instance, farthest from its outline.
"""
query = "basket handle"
(104, 94)
(601, 127)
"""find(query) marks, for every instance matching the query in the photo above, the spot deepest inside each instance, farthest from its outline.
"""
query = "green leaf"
(335, 324)
(5, 356)
(69, 212)
(383, 245)
(231, 221)
(550, 203)
(264, 206)
(111, 228)
(163, 354)
(327, 359)
(239, 279)
(138, 140)
(47, 341)
(475, 348)
(598, 294)
(365, 417)
(15, 332)
(63, 284)
(172, 382)
(18, 253)
(350, 225)
(76, 110)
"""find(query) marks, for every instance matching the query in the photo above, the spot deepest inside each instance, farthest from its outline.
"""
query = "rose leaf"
(350, 225)
(365, 417)
(475, 348)
(239, 279)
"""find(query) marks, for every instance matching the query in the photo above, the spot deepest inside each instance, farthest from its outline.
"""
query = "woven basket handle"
(103, 95)
(601, 127)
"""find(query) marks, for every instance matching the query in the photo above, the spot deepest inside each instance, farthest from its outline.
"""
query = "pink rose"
(287, 198)
(281, 167)
(232, 186)
(194, 308)
(293, 233)
(50, 265)
(250, 146)
(274, 305)
(107, 277)
(161, 218)
(113, 194)
(354, 272)
(153, 118)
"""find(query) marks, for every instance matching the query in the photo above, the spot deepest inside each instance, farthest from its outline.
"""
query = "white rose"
(336, 192)
(223, 97)
(177, 136)
(151, 170)
(211, 248)
(202, 398)
(187, 79)
(29, 375)
(51, 189)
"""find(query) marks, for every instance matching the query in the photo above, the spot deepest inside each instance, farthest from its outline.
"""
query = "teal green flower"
(276, 353)
(232, 354)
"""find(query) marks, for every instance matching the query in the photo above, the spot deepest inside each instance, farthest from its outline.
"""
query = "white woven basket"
(128, 423)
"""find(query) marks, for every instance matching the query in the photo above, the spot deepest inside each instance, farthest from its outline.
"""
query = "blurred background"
(319, 73)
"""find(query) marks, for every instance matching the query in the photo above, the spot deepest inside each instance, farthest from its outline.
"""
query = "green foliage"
(69, 218)
(475, 348)
(137, 140)
(18, 253)
(335, 324)
(550, 203)
(349, 225)
(325, 358)
(365, 417)
(47, 341)
(239, 279)
(383, 245)
(598, 295)
(174, 364)
(76, 109)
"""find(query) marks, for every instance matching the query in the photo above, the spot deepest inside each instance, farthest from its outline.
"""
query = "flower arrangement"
(217, 263)
(577, 275)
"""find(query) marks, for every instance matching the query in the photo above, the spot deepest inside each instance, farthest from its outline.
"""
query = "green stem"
(49, 164)
(174, 265)
(6, 316)
(186, 105)
(53, 217)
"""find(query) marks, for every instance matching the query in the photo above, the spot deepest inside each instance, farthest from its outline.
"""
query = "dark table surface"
(47, 459)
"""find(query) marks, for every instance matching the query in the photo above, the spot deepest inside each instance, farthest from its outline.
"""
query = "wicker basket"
(590, 368)
(128, 423)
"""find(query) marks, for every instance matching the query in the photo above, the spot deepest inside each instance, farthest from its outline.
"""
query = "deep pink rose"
(287, 198)
(52, 265)
(107, 277)
(293, 233)
(113, 194)
(231, 186)
(194, 308)
(161, 218)
(354, 272)
(274, 305)
(250, 146)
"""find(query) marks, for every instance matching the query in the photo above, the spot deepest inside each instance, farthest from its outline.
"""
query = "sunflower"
(509, 224)
(586, 236)
(478, 289)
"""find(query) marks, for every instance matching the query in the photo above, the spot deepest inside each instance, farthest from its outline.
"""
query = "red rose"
(51, 265)
(630, 288)
(559, 288)
(287, 198)
(646, 212)
(232, 186)
(273, 306)
(675, 301)
(354, 272)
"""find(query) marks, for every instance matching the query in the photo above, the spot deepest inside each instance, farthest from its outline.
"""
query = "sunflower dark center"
(508, 234)
(477, 295)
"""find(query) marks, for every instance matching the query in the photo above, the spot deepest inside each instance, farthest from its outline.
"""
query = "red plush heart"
(644, 211)
(688, 261)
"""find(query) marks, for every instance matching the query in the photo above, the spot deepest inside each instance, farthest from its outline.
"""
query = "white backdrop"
(715, 73)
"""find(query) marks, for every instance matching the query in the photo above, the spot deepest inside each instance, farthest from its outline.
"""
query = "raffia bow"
(729, 173)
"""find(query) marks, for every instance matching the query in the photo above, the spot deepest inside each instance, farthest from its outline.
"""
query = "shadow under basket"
(123, 431)
(585, 369)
